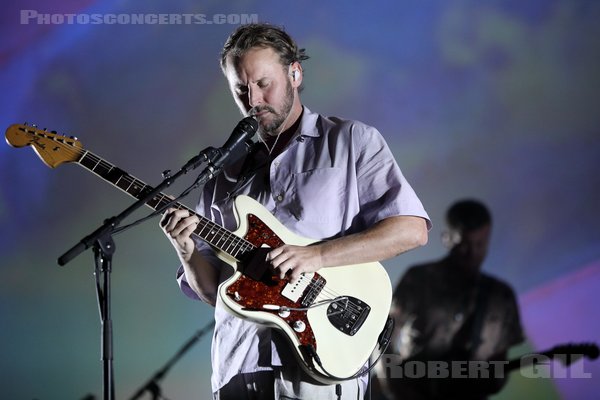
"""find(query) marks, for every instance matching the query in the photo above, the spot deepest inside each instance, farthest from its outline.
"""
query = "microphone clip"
(206, 155)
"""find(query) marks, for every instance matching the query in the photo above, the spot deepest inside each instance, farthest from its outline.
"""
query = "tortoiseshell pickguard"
(253, 294)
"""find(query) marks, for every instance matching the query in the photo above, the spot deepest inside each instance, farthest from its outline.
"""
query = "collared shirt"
(335, 177)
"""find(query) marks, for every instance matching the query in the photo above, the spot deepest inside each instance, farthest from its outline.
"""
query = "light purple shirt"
(335, 177)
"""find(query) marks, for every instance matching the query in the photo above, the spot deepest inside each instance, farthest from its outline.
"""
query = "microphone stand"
(104, 247)
(152, 385)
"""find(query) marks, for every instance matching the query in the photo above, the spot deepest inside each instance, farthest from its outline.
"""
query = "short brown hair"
(262, 35)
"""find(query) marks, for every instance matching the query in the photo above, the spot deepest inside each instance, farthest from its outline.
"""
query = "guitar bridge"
(348, 314)
(313, 290)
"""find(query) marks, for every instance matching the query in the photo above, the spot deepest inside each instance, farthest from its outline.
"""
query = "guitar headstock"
(52, 148)
(575, 351)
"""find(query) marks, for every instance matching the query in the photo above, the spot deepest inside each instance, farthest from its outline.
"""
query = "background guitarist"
(449, 310)
(324, 178)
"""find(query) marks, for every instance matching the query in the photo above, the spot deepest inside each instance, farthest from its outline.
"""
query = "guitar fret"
(127, 190)
(241, 244)
(162, 201)
(85, 160)
(244, 249)
(202, 228)
(136, 188)
(157, 202)
(101, 169)
(123, 179)
(235, 242)
(226, 238)
(230, 244)
(207, 230)
(236, 250)
(220, 238)
(210, 236)
(104, 165)
(98, 162)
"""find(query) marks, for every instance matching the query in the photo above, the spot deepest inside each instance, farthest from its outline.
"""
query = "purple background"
(498, 100)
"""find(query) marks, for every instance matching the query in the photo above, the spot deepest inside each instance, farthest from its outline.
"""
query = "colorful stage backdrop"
(497, 100)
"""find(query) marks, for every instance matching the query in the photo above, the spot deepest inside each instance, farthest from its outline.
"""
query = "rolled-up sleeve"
(382, 188)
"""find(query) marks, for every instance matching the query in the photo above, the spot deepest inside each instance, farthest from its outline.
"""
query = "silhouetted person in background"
(448, 310)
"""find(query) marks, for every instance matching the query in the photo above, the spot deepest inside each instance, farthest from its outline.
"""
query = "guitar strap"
(481, 306)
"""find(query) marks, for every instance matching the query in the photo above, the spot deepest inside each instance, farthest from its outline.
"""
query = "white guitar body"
(341, 355)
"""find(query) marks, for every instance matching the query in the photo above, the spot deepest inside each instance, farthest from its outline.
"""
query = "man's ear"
(450, 238)
(295, 73)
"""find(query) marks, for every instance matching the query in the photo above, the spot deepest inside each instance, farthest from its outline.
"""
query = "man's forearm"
(386, 239)
(201, 276)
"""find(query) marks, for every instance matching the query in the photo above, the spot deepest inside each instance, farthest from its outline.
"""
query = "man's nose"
(255, 96)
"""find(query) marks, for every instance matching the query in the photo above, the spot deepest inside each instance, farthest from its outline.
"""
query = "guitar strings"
(348, 305)
(328, 295)
(313, 305)
(162, 201)
(240, 245)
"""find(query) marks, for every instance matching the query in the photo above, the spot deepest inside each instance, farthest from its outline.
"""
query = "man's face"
(470, 249)
(260, 83)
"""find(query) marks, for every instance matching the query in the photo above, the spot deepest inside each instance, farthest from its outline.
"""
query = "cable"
(383, 342)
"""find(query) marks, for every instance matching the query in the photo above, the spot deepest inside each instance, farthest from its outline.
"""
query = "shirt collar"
(308, 124)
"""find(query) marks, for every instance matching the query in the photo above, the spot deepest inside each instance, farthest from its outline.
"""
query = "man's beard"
(274, 127)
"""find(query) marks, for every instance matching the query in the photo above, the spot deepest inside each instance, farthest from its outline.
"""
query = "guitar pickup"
(305, 290)
(294, 291)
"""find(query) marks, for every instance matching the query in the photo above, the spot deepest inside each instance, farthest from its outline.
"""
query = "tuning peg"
(73, 137)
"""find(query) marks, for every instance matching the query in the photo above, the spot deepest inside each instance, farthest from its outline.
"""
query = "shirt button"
(279, 197)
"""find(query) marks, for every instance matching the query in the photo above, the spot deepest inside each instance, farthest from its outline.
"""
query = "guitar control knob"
(299, 326)
(284, 313)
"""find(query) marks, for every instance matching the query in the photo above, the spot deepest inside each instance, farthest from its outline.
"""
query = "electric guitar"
(332, 318)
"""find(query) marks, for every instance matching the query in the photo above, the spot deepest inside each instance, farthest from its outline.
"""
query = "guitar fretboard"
(212, 233)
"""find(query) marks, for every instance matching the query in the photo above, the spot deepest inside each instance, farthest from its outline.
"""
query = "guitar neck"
(566, 353)
(207, 230)
(529, 359)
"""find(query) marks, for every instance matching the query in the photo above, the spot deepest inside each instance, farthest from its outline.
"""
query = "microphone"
(244, 130)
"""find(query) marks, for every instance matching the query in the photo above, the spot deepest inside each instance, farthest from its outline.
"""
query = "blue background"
(497, 100)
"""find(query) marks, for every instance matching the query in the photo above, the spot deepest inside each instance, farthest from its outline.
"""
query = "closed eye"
(263, 83)
(241, 90)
